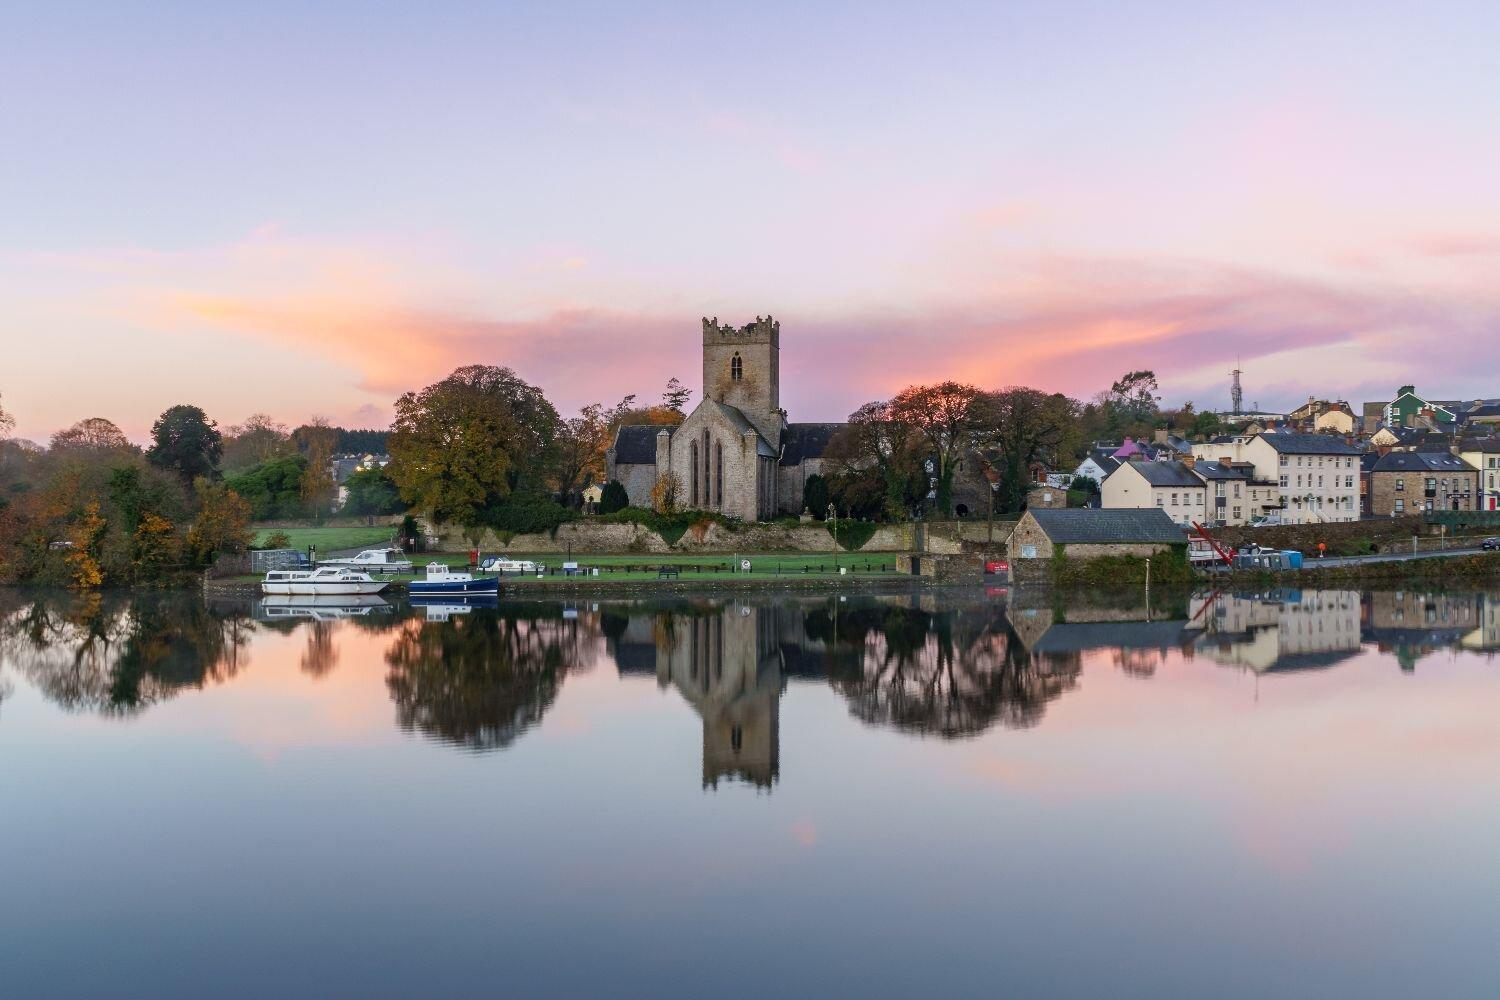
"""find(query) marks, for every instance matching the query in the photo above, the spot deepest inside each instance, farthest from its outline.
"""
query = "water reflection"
(950, 665)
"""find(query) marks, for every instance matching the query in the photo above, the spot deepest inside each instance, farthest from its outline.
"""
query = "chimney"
(1224, 461)
(1189, 460)
(1383, 450)
(1160, 437)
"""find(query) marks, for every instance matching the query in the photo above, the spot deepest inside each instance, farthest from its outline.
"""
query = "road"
(1312, 562)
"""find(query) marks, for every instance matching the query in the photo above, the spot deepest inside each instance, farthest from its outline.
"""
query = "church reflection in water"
(946, 664)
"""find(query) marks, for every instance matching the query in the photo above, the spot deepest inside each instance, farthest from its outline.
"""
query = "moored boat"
(443, 580)
(373, 560)
(325, 580)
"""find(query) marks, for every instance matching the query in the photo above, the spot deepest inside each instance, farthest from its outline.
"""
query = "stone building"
(735, 453)
(1410, 482)
(1088, 534)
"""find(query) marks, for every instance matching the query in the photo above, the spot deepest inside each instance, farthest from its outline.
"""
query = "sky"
(308, 209)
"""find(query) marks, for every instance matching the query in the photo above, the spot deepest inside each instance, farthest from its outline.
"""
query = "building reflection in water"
(1279, 630)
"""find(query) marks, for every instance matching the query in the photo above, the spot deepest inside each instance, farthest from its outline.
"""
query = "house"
(1089, 534)
(1484, 456)
(1171, 487)
(1407, 408)
(1236, 495)
(1097, 465)
(1408, 482)
(592, 496)
(1317, 475)
(1336, 418)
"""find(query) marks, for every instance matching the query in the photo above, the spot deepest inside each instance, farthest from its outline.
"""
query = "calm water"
(1288, 794)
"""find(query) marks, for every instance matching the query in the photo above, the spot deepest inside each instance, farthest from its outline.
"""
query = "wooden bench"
(662, 572)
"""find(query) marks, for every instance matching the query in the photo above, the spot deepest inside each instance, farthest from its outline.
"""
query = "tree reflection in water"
(950, 673)
(116, 654)
(480, 680)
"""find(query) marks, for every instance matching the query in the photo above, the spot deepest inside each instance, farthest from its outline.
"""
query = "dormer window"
(736, 367)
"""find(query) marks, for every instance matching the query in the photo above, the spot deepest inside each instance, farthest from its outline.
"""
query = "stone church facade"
(735, 453)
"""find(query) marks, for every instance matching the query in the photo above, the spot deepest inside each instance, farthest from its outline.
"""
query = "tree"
(676, 396)
(465, 442)
(371, 491)
(614, 497)
(943, 415)
(666, 494)
(273, 488)
(1131, 406)
(583, 445)
(815, 496)
(259, 439)
(94, 435)
(83, 548)
(318, 488)
(1019, 427)
(186, 442)
(222, 525)
(7, 422)
(876, 455)
(654, 416)
(156, 547)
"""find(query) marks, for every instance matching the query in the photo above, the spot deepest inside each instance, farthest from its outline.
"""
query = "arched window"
(708, 471)
(736, 367)
(693, 462)
(718, 474)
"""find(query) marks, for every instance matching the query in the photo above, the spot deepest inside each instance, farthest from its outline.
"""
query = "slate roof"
(1288, 443)
(1107, 527)
(804, 441)
(635, 444)
(1421, 461)
(742, 424)
(1243, 471)
(1486, 446)
(1165, 473)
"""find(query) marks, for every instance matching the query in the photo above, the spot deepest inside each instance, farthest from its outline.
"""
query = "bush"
(671, 527)
(815, 496)
(273, 488)
(525, 515)
(614, 498)
(372, 491)
(851, 535)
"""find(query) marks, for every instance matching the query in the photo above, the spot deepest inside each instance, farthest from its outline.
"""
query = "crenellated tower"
(742, 367)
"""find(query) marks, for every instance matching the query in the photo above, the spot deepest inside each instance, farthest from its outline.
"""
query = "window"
(1400, 505)
(1283, 482)
(736, 367)
(1400, 485)
(1236, 513)
(1161, 501)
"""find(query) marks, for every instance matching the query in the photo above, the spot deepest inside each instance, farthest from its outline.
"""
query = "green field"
(331, 539)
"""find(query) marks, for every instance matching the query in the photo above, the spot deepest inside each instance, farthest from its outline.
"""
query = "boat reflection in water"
(320, 607)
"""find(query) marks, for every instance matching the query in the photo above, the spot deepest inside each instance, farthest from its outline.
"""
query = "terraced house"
(1316, 475)
(1171, 487)
(1410, 482)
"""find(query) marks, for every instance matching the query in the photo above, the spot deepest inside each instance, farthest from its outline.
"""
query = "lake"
(960, 793)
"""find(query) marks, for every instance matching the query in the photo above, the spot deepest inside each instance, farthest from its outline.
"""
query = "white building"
(1168, 486)
(1317, 475)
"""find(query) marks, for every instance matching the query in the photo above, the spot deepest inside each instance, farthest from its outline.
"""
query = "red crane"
(1227, 555)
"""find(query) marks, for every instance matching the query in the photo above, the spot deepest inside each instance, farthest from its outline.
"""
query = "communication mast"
(1236, 394)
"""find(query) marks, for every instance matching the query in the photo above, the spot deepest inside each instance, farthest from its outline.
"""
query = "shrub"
(815, 496)
(525, 515)
(851, 535)
(614, 497)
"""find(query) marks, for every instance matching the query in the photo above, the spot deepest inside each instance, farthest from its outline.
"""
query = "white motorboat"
(374, 561)
(325, 580)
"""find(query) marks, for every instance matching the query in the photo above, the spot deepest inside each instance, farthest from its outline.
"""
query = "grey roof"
(742, 423)
(635, 444)
(1242, 471)
(1421, 461)
(1288, 443)
(804, 441)
(1107, 527)
(1164, 473)
(1487, 446)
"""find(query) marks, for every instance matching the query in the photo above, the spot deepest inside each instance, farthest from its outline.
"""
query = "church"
(735, 453)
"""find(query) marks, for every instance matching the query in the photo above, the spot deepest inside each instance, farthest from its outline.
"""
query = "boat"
(325, 580)
(441, 579)
(374, 560)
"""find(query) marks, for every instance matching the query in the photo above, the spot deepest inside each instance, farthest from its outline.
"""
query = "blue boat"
(445, 582)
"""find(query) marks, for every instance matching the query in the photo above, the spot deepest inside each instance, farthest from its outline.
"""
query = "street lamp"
(833, 516)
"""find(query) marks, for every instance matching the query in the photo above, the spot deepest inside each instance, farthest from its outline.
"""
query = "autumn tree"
(666, 494)
(222, 525)
(470, 440)
(318, 487)
(583, 445)
(94, 436)
(83, 548)
(943, 417)
(1019, 427)
(676, 395)
(185, 441)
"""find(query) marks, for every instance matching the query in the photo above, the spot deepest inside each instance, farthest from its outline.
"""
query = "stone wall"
(585, 537)
(638, 481)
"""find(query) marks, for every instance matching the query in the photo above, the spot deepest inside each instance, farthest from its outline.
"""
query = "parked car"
(504, 564)
(1490, 543)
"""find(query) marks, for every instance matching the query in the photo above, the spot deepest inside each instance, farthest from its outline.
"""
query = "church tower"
(742, 367)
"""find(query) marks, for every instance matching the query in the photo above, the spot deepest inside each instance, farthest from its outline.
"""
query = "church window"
(693, 463)
(718, 473)
(736, 367)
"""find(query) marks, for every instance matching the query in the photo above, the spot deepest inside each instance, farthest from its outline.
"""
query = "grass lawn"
(332, 539)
